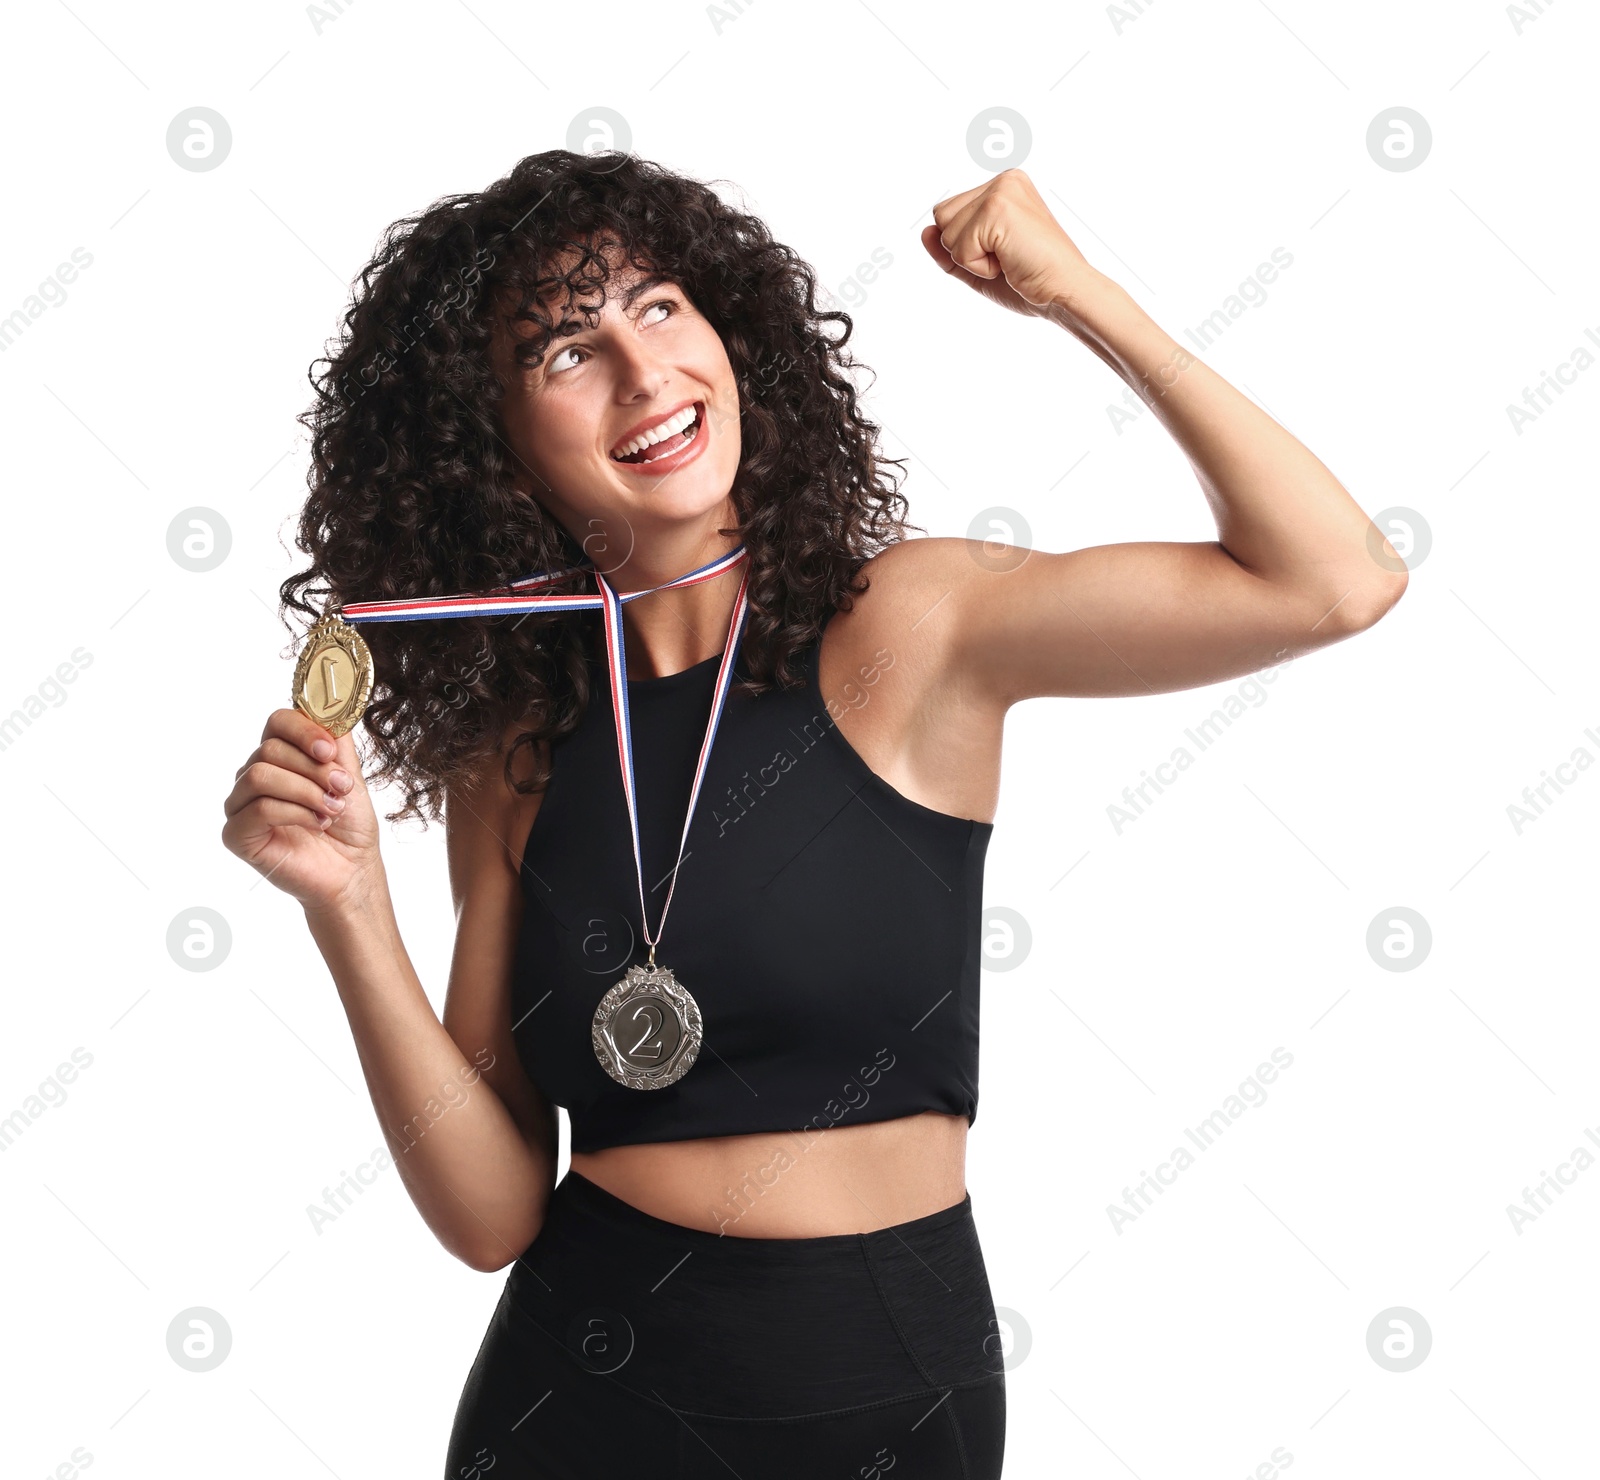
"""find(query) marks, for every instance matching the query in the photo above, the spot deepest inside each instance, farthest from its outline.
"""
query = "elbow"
(491, 1255)
(485, 1261)
(1365, 603)
(1378, 590)
(1380, 603)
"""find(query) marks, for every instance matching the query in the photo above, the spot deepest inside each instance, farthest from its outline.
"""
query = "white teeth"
(658, 433)
(657, 456)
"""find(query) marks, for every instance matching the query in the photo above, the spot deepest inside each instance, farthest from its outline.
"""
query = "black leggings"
(627, 1345)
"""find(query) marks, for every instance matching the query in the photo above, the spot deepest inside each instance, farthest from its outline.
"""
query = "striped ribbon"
(610, 602)
(408, 608)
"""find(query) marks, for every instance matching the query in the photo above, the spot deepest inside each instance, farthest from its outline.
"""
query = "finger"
(268, 812)
(346, 758)
(970, 252)
(941, 254)
(300, 729)
(968, 237)
(951, 205)
(329, 775)
(936, 249)
(263, 779)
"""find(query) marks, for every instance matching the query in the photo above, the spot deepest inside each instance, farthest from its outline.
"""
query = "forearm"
(477, 1182)
(1279, 511)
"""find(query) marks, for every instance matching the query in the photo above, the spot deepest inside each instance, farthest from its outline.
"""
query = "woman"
(763, 1258)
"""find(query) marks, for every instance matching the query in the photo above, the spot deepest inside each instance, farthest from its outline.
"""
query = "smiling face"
(627, 429)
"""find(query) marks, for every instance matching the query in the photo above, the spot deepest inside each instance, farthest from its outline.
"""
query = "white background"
(1179, 148)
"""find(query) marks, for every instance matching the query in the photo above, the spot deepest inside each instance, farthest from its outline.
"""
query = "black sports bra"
(827, 926)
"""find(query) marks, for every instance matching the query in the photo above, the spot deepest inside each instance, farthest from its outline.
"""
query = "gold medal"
(333, 674)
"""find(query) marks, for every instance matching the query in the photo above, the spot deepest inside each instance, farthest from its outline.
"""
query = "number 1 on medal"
(333, 650)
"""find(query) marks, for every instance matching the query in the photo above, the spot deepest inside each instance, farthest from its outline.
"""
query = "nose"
(640, 372)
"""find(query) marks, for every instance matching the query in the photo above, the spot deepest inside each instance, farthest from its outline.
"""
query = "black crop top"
(827, 926)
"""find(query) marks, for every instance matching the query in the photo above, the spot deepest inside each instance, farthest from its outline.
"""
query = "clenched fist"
(1000, 239)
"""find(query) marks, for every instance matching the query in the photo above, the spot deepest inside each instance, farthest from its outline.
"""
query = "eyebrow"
(628, 299)
(644, 285)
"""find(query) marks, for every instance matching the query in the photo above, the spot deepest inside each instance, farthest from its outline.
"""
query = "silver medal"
(646, 1030)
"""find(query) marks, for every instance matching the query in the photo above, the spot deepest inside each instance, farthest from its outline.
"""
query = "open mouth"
(672, 434)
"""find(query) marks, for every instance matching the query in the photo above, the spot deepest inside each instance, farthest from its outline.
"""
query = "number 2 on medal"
(650, 1032)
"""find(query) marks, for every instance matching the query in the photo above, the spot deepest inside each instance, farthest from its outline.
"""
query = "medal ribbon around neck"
(489, 605)
(617, 664)
(610, 603)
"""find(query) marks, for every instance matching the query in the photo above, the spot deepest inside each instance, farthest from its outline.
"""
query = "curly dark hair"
(412, 485)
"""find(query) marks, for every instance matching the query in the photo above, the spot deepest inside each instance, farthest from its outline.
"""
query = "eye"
(556, 366)
(666, 303)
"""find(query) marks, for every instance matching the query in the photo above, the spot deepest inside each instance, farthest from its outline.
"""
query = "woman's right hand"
(299, 813)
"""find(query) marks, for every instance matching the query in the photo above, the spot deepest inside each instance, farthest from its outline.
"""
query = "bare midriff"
(793, 1184)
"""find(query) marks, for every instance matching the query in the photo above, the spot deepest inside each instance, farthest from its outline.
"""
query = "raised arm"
(1296, 564)
(474, 1142)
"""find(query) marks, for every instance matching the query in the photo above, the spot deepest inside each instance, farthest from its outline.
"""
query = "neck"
(672, 630)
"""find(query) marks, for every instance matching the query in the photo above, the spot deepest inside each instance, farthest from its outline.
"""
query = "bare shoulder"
(907, 583)
(905, 616)
(889, 671)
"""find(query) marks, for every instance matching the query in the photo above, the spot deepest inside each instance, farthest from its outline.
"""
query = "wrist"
(1104, 316)
(1089, 300)
(365, 901)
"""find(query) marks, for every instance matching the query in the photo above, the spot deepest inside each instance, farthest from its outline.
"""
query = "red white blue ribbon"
(518, 599)
(617, 663)
(610, 603)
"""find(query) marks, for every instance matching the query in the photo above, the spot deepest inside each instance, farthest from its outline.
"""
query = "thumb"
(346, 757)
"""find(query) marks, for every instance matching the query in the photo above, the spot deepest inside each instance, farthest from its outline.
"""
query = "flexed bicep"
(1136, 618)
